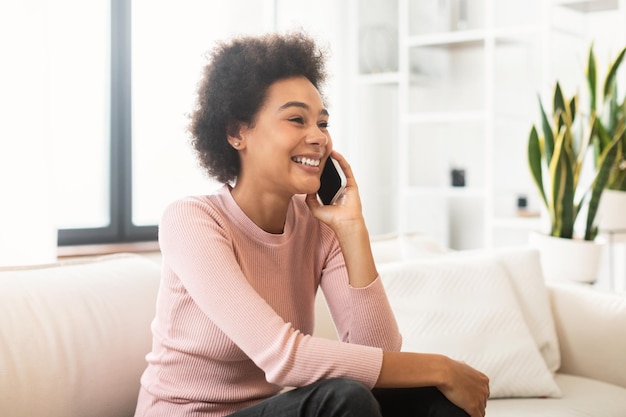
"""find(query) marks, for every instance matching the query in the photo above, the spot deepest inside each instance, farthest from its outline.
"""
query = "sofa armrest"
(591, 328)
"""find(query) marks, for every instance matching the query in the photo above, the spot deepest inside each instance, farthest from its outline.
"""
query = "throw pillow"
(524, 270)
(467, 309)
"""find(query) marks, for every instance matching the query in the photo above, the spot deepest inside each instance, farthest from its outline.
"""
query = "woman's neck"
(268, 211)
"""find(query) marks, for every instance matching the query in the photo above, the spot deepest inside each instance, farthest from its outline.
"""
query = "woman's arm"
(460, 383)
(358, 302)
(346, 220)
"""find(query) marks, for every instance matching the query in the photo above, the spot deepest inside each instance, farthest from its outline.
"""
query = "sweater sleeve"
(361, 315)
(196, 246)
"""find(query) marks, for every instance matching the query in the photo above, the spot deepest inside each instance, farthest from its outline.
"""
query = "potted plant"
(556, 157)
(605, 106)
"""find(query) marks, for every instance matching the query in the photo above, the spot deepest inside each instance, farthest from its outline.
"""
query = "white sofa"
(73, 337)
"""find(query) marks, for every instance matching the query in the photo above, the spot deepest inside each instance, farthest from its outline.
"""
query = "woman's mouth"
(306, 161)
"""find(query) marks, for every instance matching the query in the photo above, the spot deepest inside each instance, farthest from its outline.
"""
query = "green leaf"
(617, 180)
(571, 111)
(610, 78)
(548, 136)
(604, 139)
(592, 79)
(607, 159)
(567, 211)
(534, 162)
(559, 101)
(558, 177)
(559, 107)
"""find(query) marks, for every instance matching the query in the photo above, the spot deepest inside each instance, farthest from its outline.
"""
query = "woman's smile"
(306, 161)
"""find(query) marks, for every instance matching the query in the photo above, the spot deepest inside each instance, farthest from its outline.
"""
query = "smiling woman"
(241, 266)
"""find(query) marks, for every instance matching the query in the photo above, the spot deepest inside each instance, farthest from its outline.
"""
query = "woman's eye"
(323, 125)
(299, 120)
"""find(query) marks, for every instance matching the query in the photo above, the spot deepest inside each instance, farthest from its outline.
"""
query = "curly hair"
(234, 87)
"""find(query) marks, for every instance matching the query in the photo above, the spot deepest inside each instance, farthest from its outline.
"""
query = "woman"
(241, 267)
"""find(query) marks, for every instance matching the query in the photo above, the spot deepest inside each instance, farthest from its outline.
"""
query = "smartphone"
(332, 182)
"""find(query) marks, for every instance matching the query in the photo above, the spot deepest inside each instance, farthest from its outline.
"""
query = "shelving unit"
(456, 87)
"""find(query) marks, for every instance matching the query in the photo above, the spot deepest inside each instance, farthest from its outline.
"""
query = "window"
(79, 117)
(123, 89)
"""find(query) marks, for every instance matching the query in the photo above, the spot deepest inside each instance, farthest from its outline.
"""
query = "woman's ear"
(235, 143)
(235, 136)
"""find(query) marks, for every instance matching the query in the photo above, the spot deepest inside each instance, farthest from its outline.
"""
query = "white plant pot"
(567, 259)
(612, 211)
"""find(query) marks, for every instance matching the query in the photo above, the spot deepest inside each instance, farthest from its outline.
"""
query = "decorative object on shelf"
(605, 105)
(523, 209)
(460, 17)
(458, 177)
(446, 15)
(378, 49)
(431, 16)
(559, 153)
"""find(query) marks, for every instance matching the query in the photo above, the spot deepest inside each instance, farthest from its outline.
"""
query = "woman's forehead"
(297, 92)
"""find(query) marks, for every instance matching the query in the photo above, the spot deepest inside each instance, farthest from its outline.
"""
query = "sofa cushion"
(466, 308)
(73, 336)
(522, 265)
(580, 397)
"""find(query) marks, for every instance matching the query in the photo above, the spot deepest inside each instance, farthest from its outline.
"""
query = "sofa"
(74, 334)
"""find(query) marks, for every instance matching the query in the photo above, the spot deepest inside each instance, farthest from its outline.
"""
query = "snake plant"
(556, 159)
(611, 114)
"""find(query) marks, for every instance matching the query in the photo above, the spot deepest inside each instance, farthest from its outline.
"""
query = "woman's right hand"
(466, 387)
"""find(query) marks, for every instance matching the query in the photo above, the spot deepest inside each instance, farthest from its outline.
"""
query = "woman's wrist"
(353, 239)
(354, 229)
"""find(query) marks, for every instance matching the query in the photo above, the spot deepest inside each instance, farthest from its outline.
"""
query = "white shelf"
(447, 39)
(525, 223)
(448, 191)
(463, 98)
(589, 6)
(445, 117)
(517, 31)
(380, 78)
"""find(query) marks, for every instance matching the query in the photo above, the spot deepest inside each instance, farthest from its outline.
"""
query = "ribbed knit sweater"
(235, 311)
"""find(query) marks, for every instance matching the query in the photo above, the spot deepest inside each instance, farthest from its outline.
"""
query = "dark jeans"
(342, 397)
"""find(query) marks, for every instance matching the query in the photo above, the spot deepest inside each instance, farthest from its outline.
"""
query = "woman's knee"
(347, 387)
(346, 397)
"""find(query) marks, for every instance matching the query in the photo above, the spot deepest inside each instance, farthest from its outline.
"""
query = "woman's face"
(283, 152)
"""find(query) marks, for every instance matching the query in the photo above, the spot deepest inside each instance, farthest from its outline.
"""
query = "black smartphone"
(332, 182)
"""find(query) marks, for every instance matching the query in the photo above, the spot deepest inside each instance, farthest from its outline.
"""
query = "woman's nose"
(318, 137)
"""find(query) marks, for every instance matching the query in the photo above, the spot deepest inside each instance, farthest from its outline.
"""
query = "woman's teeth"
(307, 161)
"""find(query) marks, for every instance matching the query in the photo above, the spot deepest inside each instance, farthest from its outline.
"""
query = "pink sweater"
(235, 311)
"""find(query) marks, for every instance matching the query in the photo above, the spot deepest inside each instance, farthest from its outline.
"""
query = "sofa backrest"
(591, 326)
(74, 335)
